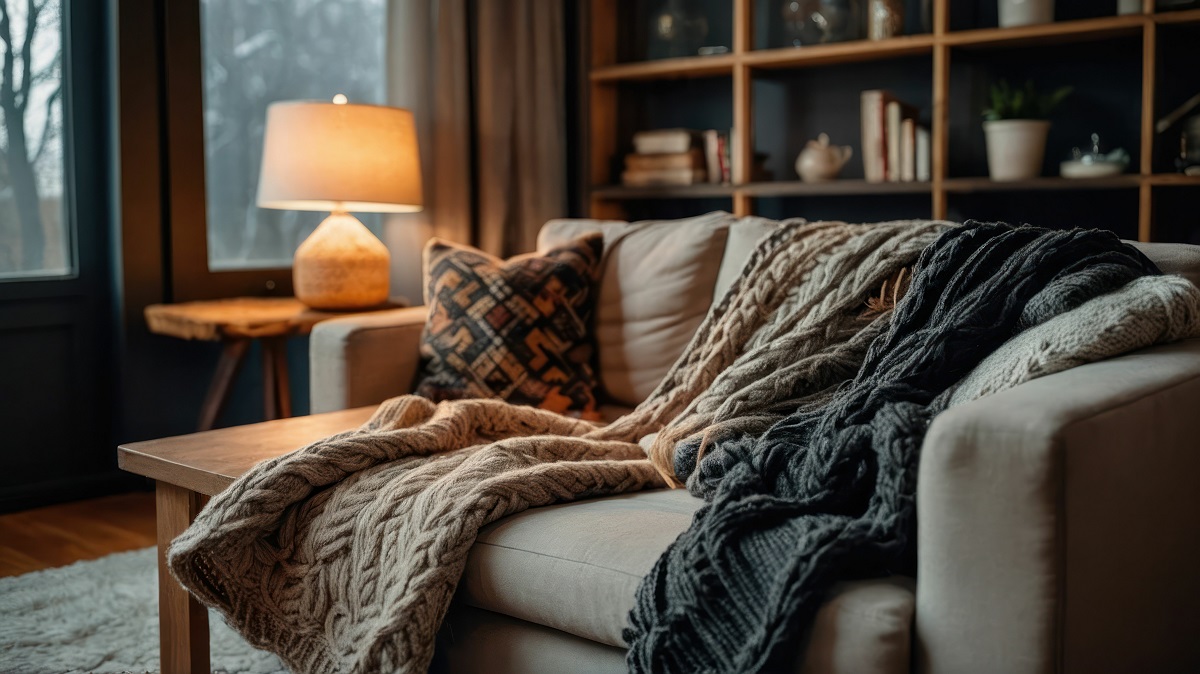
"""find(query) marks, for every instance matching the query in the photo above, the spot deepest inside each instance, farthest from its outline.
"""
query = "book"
(897, 112)
(663, 141)
(892, 135)
(908, 150)
(692, 159)
(924, 155)
(872, 111)
(712, 155)
(663, 177)
(723, 153)
(883, 116)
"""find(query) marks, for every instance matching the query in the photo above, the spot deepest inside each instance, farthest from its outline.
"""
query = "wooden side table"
(189, 468)
(237, 322)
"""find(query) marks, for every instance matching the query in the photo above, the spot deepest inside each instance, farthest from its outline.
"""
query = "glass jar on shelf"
(809, 22)
(678, 29)
(885, 18)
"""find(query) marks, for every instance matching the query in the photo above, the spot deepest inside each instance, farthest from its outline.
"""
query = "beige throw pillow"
(656, 286)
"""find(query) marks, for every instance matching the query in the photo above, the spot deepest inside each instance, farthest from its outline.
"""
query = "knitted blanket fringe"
(344, 555)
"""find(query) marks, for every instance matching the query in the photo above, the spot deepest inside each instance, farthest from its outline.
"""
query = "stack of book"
(895, 147)
(677, 157)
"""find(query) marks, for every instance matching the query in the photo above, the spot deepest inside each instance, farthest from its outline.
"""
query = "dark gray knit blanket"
(828, 494)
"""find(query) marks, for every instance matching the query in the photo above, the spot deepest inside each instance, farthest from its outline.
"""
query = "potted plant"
(1025, 12)
(1016, 126)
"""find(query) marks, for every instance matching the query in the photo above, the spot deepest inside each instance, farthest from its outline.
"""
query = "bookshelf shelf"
(690, 66)
(1173, 180)
(983, 184)
(1182, 16)
(785, 188)
(838, 53)
(784, 114)
(699, 191)
(1048, 33)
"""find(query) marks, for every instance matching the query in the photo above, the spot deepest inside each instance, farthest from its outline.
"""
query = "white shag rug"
(102, 616)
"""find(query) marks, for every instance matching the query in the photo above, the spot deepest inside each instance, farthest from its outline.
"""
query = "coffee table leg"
(182, 621)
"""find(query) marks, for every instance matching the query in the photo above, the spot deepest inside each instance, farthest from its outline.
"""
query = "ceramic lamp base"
(341, 266)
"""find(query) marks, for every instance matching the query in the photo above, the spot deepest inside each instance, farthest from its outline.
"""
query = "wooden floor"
(61, 534)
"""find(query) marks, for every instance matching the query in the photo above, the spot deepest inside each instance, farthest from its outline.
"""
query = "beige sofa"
(1058, 521)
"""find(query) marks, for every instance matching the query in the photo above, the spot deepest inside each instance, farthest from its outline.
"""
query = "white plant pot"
(1015, 148)
(1025, 12)
(1129, 6)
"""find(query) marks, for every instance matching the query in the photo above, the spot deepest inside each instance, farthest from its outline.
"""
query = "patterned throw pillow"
(517, 329)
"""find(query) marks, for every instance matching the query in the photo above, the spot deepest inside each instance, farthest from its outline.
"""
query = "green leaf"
(1023, 103)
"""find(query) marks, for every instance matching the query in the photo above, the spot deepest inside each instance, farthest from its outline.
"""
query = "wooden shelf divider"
(1048, 33)
(984, 184)
(839, 52)
(674, 68)
(1173, 180)
(1179, 16)
(697, 191)
(796, 188)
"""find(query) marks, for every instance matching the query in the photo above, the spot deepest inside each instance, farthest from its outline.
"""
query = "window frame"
(184, 186)
(84, 83)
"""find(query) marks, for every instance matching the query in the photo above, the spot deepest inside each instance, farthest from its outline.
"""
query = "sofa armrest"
(364, 360)
(1058, 523)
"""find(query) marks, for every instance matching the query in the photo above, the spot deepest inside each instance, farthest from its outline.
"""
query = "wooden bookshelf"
(608, 78)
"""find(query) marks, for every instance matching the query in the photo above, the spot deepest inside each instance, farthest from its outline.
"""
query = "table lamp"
(340, 157)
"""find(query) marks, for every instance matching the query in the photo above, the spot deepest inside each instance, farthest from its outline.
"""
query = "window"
(256, 52)
(34, 238)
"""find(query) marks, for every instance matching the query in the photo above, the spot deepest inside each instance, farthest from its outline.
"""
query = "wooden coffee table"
(187, 470)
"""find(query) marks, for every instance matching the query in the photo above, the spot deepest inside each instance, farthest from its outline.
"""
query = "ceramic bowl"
(1073, 168)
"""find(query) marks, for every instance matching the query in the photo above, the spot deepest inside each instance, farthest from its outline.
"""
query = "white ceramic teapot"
(821, 161)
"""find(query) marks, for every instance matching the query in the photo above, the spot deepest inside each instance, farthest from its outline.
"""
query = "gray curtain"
(495, 173)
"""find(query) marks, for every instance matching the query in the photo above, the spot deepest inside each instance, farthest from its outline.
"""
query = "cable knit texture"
(827, 494)
(343, 556)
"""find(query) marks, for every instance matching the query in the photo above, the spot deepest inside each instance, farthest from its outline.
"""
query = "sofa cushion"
(1174, 258)
(473, 640)
(744, 236)
(655, 289)
(514, 329)
(575, 567)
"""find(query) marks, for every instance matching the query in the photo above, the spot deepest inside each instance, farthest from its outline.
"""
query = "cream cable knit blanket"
(344, 555)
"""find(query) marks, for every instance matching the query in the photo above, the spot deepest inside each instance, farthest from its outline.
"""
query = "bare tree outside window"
(256, 52)
(33, 237)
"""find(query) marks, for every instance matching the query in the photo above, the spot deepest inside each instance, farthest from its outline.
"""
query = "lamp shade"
(340, 157)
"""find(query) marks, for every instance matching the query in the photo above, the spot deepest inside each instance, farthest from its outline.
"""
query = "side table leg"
(182, 621)
(218, 391)
(270, 382)
(282, 389)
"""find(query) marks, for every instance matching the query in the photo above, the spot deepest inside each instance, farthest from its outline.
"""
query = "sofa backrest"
(1173, 258)
(660, 277)
(656, 287)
